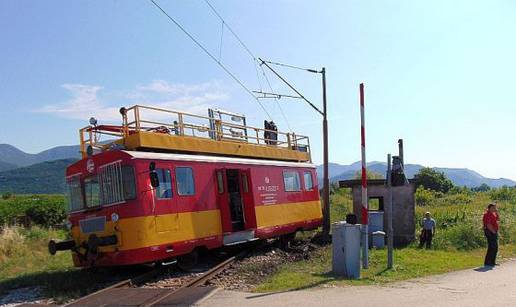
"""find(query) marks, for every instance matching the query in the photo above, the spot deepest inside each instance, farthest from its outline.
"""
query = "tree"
(431, 179)
(370, 175)
(482, 188)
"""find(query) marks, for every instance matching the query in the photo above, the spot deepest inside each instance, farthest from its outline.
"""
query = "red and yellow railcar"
(138, 206)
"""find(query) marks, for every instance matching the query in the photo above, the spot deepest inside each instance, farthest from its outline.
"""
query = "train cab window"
(245, 184)
(291, 181)
(74, 198)
(128, 182)
(220, 182)
(309, 184)
(164, 190)
(185, 181)
(92, 192)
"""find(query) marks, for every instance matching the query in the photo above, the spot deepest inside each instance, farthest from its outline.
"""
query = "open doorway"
(235, 199)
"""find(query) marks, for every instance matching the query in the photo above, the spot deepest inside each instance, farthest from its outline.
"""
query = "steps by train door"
(235, 203)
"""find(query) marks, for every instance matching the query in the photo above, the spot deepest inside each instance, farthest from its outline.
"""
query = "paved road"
(479, 287)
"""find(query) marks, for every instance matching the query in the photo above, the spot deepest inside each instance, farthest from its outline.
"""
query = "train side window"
(245, 184)
(164, 190)
(220, 182)
(185, 181)
(309, 184)
(291, 181)
(128, 182)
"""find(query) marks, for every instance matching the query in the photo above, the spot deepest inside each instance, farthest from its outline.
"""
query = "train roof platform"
(158, 130)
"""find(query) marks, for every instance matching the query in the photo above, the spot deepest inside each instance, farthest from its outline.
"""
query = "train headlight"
(115, 217)
(68, 225)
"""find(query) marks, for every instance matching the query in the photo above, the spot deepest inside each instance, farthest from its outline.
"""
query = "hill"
(41, 178)
(459, 176)
(4, 166)
(10, 155)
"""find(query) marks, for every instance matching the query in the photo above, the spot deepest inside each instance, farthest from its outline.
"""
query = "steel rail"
(198, 281)
(124, 283)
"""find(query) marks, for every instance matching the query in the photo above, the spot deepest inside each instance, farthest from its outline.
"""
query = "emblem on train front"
(90, 166)
(267, 180)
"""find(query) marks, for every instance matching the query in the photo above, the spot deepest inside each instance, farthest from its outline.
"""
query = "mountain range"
(459, 176)
(12, 157)
(22, 172)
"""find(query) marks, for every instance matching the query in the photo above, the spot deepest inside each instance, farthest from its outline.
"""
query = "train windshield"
(74, 197)
(113, 184)
(92, 192)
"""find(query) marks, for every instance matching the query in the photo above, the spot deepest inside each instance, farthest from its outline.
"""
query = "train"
(130, 207)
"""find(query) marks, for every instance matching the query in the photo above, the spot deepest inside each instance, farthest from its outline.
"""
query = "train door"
(165, 204)
(248, 199)
(235, 200)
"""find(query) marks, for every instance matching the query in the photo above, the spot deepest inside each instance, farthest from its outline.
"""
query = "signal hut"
(403, 210)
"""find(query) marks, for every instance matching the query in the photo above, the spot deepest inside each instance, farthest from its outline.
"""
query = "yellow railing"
(150, 119)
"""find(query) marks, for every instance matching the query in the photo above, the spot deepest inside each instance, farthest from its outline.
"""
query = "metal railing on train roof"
(140, 118)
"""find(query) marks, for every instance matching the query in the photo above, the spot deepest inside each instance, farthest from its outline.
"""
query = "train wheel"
(188, 261)
(286, 239)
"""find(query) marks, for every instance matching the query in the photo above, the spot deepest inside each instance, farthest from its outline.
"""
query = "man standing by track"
(491, 222)
(428, 231)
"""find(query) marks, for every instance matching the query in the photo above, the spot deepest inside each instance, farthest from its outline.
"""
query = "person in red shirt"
(491, 221)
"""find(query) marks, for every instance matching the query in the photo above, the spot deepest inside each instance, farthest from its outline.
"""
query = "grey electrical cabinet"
(346, 249)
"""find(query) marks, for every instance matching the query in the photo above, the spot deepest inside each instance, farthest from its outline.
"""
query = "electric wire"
(279, 105)
(255, 59)
(221, 39)
(211, 56)
(291, 66)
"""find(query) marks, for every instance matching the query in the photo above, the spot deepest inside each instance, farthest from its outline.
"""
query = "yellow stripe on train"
(281, 214)
(146, 231)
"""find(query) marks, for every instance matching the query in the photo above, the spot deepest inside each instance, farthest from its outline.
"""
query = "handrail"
(187, 124)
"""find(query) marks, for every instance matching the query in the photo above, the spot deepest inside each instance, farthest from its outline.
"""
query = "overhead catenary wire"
(211, 56)
(292, 87)
(255, 59)
(279, 105)
(291, 66)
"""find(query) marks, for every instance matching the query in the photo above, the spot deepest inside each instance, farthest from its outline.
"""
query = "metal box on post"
(346, 249)
(376, 229)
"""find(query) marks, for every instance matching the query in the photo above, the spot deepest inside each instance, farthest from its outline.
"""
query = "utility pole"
(390, 234)
(324, 113)
(326, 178)
(365, 198)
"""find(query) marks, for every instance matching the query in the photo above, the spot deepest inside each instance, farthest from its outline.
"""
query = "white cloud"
(93, 100)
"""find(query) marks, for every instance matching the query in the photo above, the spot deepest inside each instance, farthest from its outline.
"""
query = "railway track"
(125, 293)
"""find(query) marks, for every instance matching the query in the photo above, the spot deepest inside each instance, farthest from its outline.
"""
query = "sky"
(439, 74)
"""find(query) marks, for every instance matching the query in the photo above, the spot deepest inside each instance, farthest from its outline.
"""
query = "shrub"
(45, 210)
(11, 243)
(503, 194)
(426, 197)
(433, 180)
(7, 195)
(46, 214)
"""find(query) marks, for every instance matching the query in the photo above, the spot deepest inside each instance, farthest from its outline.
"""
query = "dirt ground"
(475, 287)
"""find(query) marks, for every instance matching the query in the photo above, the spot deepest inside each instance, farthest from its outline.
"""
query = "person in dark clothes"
(491, 222)
(428, 231)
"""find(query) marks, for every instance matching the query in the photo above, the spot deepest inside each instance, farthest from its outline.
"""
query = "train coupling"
(92, 245)
(54, 246)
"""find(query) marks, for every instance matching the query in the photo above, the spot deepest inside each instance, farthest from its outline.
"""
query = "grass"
(409, 263)
(25, 262)
(459, 244)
